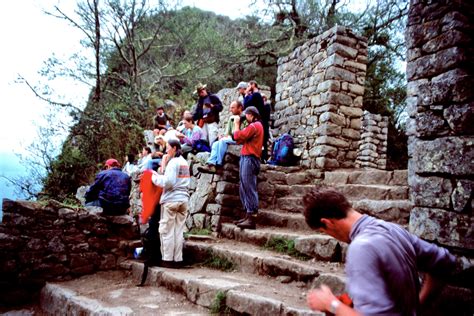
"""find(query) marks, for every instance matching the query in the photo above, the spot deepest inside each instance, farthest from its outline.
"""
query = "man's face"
(202, 93)
(159, 111)
(235, 109)
(333, 228)
(241, 90)
(249, 117)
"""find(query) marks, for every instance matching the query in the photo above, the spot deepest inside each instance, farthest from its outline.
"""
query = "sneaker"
(248, 223)
(207, 169)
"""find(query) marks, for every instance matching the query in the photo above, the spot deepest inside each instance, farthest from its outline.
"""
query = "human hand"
(236, 119)
(320, 299)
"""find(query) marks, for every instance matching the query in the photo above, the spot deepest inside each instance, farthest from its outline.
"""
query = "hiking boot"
(248, 223)
(239, 221)
(207, 169)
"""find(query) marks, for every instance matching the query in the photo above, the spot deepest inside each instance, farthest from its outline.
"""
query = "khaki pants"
(172, 222)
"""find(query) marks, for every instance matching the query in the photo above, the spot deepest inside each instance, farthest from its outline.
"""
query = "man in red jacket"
(252, 139)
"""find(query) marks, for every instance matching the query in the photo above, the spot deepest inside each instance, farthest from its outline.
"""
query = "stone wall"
(41, 242)
(372, 152)
(319, 97)
(441, 127)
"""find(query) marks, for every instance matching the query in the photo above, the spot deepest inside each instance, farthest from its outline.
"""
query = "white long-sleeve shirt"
(175, 181)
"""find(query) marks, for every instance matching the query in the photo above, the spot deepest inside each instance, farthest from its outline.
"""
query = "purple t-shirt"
(383, 261)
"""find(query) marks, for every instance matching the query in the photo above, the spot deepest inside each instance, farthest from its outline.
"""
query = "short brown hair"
(324, 203)
(188, 117)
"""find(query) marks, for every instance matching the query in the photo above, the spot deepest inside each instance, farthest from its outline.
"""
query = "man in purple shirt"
(382, 263)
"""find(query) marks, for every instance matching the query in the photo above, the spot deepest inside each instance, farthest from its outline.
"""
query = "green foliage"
(199, 231)
(218, 306)
(215, 261)
(286, 246)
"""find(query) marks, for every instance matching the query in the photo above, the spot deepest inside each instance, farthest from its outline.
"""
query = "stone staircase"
(259, 279)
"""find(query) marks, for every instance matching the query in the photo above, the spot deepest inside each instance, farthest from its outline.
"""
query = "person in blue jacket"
(110, 190)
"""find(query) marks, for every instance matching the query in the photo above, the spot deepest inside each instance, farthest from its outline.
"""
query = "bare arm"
(320, 300)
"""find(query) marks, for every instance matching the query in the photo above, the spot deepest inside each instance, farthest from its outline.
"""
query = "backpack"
(282, 152)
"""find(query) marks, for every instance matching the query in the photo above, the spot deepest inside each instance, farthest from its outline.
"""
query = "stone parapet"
(42, 242)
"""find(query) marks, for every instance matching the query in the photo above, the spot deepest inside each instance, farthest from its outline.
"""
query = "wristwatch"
(334, 305)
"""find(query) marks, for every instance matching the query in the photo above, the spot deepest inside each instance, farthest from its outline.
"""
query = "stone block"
(446, 228)
(336, 73)
(332, 118)
(326, 163)
(328, 129)
(325, 108)
(447, 39)
(430, 124)
(356, 123)
(451, 155)
(351, 133)
(435, 64)
(329, 85)
(360, 64)
(356, 89)
(252, 304)
(332, 60)
(460, 118)
(342, 50)
(333, 141)
(461, 196)
(323, 151)
(321, 247)
(430, 191)
(350, 111)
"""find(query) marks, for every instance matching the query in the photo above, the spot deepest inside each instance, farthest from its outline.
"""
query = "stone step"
(255, 260)
(113, 293)
(395, 177)
(282, 219)
(236, 291)
(319, 246)
(373, 191)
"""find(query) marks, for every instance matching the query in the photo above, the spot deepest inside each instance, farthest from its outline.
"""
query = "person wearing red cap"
(110, 190)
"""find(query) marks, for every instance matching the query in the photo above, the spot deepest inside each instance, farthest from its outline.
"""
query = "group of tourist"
(383, 259)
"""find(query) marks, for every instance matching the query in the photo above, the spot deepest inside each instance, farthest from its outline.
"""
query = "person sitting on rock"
(252, 139)
(219, 147)
(145, 157)
(211, 120)
(192, 137)
(159, 149)
(110, 190)
(161, 120)
(130, 165)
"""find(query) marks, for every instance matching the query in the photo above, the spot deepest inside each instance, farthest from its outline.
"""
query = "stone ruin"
(319, 101)
(441, 126)
(319, 98)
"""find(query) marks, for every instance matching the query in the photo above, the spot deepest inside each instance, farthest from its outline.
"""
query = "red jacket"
(252, 139)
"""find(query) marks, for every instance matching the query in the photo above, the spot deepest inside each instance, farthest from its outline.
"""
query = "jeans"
(249, 169)
(218, 151)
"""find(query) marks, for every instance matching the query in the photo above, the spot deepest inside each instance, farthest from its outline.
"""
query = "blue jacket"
(111, 187)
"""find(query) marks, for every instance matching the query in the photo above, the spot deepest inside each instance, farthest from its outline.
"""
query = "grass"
(199, 231)
(217, 262)
(218, 306)
(286, 246)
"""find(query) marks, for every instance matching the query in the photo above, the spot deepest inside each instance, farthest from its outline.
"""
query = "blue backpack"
(282, 153)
